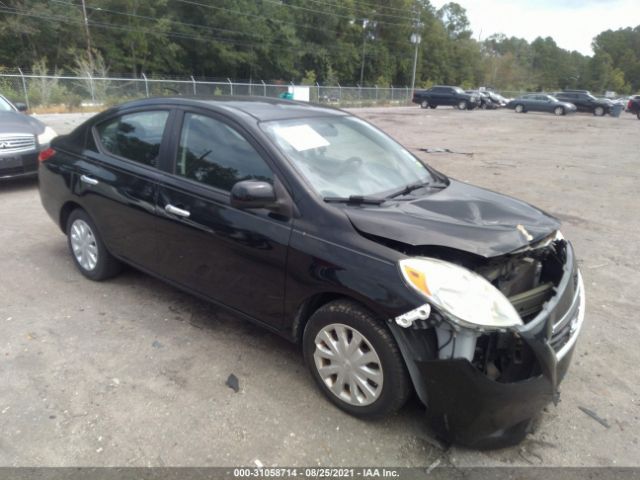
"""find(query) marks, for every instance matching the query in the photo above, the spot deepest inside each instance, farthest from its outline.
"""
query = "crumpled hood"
(460, 216)
(14, 122)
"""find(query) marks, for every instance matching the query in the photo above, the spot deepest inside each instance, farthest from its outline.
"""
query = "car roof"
(261, 108)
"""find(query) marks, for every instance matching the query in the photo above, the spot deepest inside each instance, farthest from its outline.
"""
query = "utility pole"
(364, 43)
(86, 30)
(416, 38)
(366, 34)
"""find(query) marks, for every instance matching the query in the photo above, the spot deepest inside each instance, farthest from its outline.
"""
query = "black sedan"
(21, 138)
(317, 226)
(540, 102)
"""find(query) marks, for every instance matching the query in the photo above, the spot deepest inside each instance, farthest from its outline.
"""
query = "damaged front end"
(482, 384)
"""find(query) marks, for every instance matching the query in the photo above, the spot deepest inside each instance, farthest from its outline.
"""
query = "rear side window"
(213, 153)
(135, 136)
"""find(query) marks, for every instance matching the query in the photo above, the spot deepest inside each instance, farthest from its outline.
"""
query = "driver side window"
(213, 153)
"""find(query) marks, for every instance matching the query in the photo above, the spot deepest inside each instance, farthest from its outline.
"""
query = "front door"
(235, 257)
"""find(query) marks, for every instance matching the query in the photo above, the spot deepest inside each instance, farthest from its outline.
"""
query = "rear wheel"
(462, 105)
(355, 361)
(87, 248)
(519, 108)
(424, 104)
(598, 111)
(558, 111)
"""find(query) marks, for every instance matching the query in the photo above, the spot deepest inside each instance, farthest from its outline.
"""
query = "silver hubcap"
(558, 111)
(348, 364)
(84, 245)
(519, 108)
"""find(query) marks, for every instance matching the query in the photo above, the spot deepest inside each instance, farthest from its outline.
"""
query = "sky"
(571, 23)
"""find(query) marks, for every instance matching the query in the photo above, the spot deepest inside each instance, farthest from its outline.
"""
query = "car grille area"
(16, 143)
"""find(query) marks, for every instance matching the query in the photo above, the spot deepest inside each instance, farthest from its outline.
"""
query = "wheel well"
(310, 306)
(66, 210)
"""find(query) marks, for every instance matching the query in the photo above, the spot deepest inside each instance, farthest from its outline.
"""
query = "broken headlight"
(466, 298)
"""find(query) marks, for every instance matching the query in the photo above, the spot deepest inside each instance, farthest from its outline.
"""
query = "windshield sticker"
(302, 137)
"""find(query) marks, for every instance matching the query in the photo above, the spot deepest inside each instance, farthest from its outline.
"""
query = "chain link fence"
(68, 93)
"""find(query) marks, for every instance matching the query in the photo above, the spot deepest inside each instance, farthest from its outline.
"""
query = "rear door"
(232, 256)
(118, 181)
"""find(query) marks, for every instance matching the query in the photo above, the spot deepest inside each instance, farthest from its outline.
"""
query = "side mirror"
(22, 107)
(253, 194)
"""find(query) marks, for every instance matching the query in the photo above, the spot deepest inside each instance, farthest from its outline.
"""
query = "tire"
(433, 106)
(424, 104)
(462, 105)
(519, 108)
(598, 111)
(384, 377)
(558, 111)
(87, 248)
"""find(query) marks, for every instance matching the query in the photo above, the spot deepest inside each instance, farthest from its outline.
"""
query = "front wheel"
(355, 361)
(87, 248)
(558, 111)
(462, 105)
(598, 111)
(519, 108)
(424, 104)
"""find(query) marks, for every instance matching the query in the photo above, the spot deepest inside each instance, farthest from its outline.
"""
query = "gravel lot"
(132, 372)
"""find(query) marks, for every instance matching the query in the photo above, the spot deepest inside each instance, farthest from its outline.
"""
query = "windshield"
(552, 98)
(5, 106)
(458, 90)
(344, 156)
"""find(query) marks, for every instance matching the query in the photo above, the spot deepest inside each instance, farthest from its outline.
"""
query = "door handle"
(88, 180)
(180, 212)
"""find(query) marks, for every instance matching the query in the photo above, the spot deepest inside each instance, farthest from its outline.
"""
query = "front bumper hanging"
(465, 406)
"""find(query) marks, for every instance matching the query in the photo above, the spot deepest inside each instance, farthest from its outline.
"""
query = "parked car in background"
(633, 106)
(485, 100)
(497, 99)
(585, 101)
(316, 225)
(22, 137)
(446, 95)
(540, 102)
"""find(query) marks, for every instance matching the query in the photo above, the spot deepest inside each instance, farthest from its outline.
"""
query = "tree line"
(327, 41)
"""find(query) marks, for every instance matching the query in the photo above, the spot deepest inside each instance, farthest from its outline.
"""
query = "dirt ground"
(131, 372)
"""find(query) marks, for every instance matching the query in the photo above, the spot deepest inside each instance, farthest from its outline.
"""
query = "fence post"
(250, 88)
(264, 88)
(407, 99)
(391, 93)
(318, 87)
(230, 86)
(146, 84)
(92, 88)
(193, 80)
(24, 87)
(376, 93)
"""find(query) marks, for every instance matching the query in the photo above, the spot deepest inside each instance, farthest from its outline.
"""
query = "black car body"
(288, 246)
(22, 137)
(446, 95)
(585, 101)
(633, 105)
(540, 102)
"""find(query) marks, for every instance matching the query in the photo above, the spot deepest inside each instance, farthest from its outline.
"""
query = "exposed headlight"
(464, 296)
(45, 137)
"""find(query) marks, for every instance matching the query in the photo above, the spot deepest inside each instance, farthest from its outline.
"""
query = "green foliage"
(295, 40)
